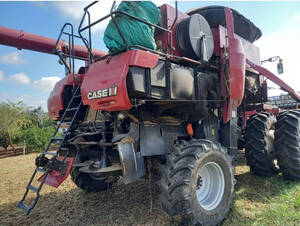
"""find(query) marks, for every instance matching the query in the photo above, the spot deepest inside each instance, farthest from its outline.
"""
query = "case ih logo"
(102, 93)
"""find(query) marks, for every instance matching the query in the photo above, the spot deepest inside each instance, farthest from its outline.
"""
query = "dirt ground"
(131, 204)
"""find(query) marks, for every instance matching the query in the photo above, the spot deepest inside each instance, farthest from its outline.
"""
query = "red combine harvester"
(179, 109)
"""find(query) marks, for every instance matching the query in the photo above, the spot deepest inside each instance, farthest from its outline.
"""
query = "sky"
(30, 76)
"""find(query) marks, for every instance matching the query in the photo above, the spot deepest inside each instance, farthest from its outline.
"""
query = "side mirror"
(280, 67)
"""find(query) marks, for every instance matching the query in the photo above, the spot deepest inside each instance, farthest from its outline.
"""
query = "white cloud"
(1, 76)
(38, 103)
(46, 83)
(12, 58)
(97, 11)
(20, 78)
(283, 42)
(25, 98)
(32, 100)
(75, 11)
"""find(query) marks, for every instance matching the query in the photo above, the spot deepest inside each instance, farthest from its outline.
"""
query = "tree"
(19, 122)
(37, 138)
(4, 140)
(39, 118)
(13, 117)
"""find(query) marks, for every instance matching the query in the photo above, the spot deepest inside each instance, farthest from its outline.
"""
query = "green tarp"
(135, 32)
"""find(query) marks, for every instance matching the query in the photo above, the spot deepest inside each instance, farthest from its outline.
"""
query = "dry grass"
(258, 201)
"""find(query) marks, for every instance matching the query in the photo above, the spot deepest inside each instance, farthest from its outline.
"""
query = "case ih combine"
(180, 108)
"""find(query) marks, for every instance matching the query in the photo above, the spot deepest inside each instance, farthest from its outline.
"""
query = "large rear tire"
(198, 182)
(87, 182)
(259, 144)
(287, 144)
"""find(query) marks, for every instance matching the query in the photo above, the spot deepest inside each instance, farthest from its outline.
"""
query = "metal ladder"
(73, 106)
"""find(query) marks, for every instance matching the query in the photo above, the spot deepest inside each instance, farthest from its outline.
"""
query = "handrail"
(111, 15)
(68, 51)
(71, 50)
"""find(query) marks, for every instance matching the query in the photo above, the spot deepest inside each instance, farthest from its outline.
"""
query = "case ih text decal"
(102, 93)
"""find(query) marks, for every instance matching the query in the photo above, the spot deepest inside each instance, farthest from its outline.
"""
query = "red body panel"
(169, 13)
(109, 73)
(54, 178)
(237, 67)
(219, 35)
(24, 40)
(55, 100)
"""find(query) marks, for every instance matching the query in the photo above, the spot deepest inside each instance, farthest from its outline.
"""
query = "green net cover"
(135, 32)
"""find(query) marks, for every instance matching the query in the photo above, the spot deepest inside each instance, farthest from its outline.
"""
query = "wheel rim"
(210, 186)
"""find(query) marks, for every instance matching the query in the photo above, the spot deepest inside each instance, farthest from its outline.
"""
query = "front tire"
(287, 144)
(198, 182)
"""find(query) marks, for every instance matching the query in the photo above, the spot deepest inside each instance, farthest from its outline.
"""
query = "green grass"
(258, 201)
(264, 201)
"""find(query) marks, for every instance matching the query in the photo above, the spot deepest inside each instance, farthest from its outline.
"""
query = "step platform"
(54, 177)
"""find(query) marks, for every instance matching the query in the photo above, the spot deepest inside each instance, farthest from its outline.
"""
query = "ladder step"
(50, 153)
(22, 206)
(35, 189)
(67, 123)
(41, 170)
(72, 109)
(57, 138)
(64, 149)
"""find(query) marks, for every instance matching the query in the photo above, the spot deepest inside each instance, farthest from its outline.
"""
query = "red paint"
(263, 71)
(237, 61)
(106, 73)
(54, 178)
(169, 13)
(237, 67)
(55, 100)
(24, 40)
(219, 35)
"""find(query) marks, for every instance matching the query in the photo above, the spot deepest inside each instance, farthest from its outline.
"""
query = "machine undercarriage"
(182, 105)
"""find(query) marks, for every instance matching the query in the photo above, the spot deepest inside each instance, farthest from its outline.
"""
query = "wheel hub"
(210, 186)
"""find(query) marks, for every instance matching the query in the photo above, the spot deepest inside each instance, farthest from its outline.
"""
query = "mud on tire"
(198, 182)
(287, 144)
(259, 144)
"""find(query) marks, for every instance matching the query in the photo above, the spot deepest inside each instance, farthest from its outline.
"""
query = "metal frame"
(111, 15)
(263, 71)
(71, 51)
(52, 161)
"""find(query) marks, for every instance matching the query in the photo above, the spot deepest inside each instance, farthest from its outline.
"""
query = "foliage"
(19, 122)
(36, 137)
(12, 118)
